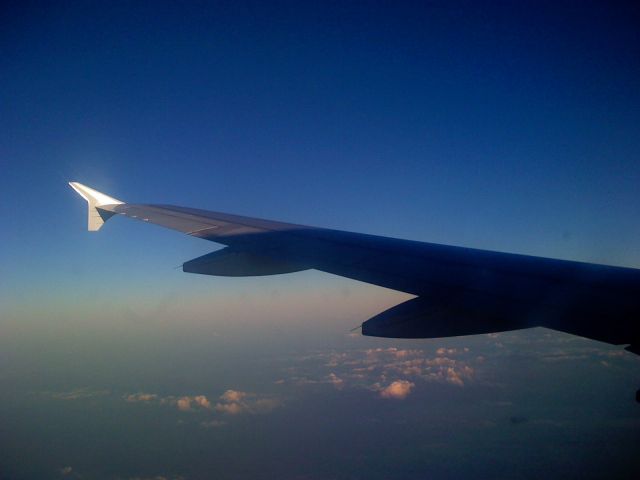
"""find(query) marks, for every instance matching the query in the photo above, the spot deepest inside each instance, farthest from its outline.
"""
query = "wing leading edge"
(460, 291)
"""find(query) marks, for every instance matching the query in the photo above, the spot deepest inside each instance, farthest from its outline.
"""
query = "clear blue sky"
(511, 126)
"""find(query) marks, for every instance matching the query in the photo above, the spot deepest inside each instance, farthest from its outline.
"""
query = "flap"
(230, 262)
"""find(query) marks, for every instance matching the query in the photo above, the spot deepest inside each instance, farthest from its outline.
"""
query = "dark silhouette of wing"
(460, 291)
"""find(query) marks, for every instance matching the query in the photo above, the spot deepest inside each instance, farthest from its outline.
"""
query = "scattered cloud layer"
(391, 372)
(183, 403)
(231, 402)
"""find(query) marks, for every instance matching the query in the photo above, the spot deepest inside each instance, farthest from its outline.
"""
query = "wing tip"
(94, 200)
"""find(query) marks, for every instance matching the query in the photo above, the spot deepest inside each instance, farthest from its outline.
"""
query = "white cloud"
(399, 389)
(231, 402)
(184, 403)
(232, 396)
(141, 397)
(77, 394)
(336, 381)
(363, 368)
(230, 408)
(234, 402)
(202, 401)
(453, 377)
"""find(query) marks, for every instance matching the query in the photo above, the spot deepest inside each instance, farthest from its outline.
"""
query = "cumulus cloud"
(202, 401)
(453, 377)
(231, 402)
(234, 402)
(232, 396)
(184, 403)
(187, 403)
(336, 359)
(399, 389)
(232, 408)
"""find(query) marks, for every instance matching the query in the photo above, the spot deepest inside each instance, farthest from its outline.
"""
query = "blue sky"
(493, 126)
(496, 126)
(511, 126)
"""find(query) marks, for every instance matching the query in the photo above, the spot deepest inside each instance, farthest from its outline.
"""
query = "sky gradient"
(510, 126)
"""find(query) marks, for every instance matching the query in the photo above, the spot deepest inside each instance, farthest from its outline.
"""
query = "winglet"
(97, 216)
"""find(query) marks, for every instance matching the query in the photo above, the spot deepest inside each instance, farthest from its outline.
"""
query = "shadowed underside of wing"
(460, 291)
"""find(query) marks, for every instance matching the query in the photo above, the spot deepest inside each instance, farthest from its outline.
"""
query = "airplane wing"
(459, 291)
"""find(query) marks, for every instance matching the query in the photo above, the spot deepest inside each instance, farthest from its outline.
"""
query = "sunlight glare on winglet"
(95, 199)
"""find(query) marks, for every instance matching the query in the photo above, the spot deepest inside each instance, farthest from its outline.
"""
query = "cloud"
(336, 359)
(336, 381)
(187, 403)
(232, 396)
(374, 369)
(230, 408)
(454, 377)
(184, 403)
(446, 351)
(234, 402)
(265, 405)
(399, 389)
(202, 401)
(77, 394)
(66, 471)
(69, 472)
(231, 402)
(213, 424)
(141, 397)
